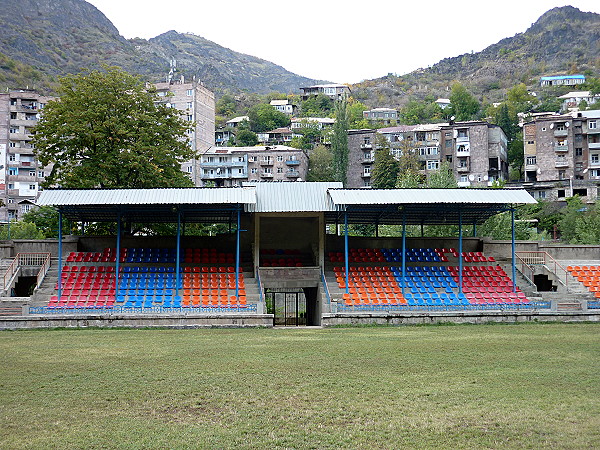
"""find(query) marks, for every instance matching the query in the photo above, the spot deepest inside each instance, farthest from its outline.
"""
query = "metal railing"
(27, 260)
(544, 259)
(525, 269)
(324, 280)
(260, 290)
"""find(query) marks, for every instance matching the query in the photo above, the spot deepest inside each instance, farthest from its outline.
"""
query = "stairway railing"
(544, 259)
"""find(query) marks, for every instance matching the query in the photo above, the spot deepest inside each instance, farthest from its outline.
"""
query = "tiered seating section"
(426, 285)
(589, 276)
(413, 255)
(88, 282)
(284, 258)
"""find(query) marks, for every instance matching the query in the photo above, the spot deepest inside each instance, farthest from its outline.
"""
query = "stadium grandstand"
(288, 258)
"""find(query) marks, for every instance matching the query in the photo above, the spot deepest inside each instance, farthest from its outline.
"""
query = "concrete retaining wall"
(139, 321)
(479, 317)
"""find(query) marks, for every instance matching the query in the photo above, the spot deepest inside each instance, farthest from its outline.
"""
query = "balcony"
(292, 174)
(463, 169)
(266, 162)
(292, 162)
(266, 175)
(561, 162)
(367, 160)
(366, 146)
(561, 148)
(594, 145)
(594, 163)
(561, 133)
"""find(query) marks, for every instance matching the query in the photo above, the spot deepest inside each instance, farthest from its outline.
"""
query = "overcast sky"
(340, 41)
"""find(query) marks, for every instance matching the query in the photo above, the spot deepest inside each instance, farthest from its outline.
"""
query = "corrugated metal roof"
(292, 197)
(169, 196)
(342, 197)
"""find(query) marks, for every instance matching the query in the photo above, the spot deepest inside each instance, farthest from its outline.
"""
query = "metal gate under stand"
(288, 306)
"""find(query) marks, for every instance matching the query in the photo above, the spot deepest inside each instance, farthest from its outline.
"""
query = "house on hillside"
(571, 100)
(333, 91)
(284, 106)
(562, 80)
(381, 115)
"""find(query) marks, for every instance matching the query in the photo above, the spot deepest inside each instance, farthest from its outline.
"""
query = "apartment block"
(381, 115)
(197, 104)
(230, 166)
(21, 174)
(476, 151)
(562, 155)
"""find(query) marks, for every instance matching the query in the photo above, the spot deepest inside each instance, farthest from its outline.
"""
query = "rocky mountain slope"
(42, 39)
(563, 40)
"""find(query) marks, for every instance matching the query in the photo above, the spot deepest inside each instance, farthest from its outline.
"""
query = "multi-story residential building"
(381, 115)
(284, 106)
(562, 80)
(224, 136)
(236, 121)
(562, 155)
(333, 91)
(476, 151)
(21, 174)
(197, 104)
(230, 166)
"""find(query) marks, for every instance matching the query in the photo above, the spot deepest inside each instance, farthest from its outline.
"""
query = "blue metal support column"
(118, 259)
(403, 251)
(346, 250)
(474, 229)
(60, 254)
(460, 252)
(512, 242)
(237, 256)
(178, 254)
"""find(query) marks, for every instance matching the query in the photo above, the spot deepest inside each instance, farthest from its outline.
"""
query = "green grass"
(513, 386)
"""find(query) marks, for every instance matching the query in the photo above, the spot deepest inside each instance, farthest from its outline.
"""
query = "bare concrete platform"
(457, 317)
(136, 321)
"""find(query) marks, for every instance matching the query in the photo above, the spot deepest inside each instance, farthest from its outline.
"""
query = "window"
(367, 171)
(463, 133)
(13, 171)
(578, 151)
(280, 170)
(592, 124)
(11, 185)
(14, 130)
(595, 173)
(560, 127)
(12, 144)
(12, 157)
(32, 173)
(539, 194)
(223, 159)
(561, 193)
(32, 187)
(595, 158)
(240, 159)
(462, 162)
(253, 170)
(190, 117)
(189, 92)
(267, 170)
(279, 158)
(189, 105)
(530, 142)
(433, 165)
(561, 174)
(464, 179)
(189, 169)
(530, 160)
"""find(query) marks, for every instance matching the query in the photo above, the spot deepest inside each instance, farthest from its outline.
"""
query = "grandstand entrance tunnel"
(284, 235)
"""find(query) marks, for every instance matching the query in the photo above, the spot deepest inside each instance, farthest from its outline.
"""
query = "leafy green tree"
(592, 84)
(109, 130)
(246, 138)
(339, 142)
(320, 165)
(310, 134)
(462, 104)
(442, 178)
(226, 106)
(356, 120)
(519, 100)
(21, 230)
(417, 112)
(263, 117)
(386, 168)
(317, 106)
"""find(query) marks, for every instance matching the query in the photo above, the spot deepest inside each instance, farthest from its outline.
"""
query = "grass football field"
(487, 386)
